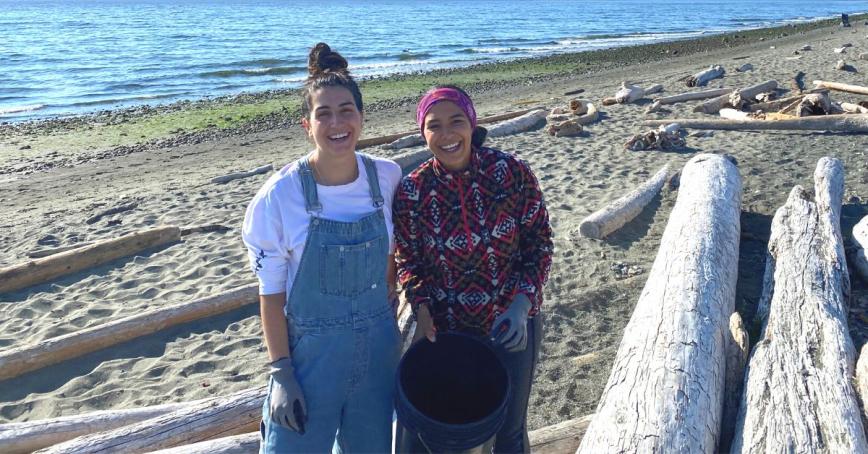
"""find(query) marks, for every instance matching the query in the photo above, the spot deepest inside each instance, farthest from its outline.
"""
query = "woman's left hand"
(510, 328)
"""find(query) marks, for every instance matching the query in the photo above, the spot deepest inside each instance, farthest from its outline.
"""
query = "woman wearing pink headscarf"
(474, 246)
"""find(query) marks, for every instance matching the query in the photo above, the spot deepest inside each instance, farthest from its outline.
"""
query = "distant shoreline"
(213, 118)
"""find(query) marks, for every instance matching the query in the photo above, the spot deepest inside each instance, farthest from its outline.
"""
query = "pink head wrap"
(436, 95)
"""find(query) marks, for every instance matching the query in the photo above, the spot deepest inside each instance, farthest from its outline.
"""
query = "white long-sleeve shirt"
(276, 222)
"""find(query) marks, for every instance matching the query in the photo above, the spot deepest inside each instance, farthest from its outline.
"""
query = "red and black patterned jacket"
(468, 241)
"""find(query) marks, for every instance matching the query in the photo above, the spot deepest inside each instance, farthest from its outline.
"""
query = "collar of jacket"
(447, 176)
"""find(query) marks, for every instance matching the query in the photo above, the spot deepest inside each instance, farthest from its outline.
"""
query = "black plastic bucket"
(452, 396)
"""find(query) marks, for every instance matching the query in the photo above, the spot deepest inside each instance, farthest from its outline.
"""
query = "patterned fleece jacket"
(469, 241)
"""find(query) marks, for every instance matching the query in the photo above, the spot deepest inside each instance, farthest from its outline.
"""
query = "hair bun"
(322, 60)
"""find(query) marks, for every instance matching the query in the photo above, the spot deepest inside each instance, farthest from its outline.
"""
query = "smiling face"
(448, 132)
(334, 123)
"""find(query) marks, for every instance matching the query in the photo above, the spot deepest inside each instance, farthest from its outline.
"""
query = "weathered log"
(519, 124)
(814, 104)
(238, 175)
(563, 437)
(737, 350)
(666, 389)
(860, 254)
(692, 96)
(630, 93)
(836, 123)
(701, 78)
(798, 396)
(735, 99)
(408, 161)
(40, 270)
(413, 140)
(555, 439)
(236, 414)
(733, 114)
(39, 253)
(564, 128)
(778, 104)
(24, 437)
(591, 114)
(19, 360)
(578, 107)
(237, 444)
(118, 209)
(853, 108)
(613, 216)
(862, 380)
(846, 88)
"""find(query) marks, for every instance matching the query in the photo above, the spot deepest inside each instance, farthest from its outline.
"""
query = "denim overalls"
(343, 334)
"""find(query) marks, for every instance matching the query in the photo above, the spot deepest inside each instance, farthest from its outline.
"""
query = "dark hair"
(479, 133)
(326, 68)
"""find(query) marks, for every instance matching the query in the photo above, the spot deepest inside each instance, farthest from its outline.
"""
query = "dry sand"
(587, 303)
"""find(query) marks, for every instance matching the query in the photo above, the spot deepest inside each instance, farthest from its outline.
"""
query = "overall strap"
(373, 181)
(308, 186)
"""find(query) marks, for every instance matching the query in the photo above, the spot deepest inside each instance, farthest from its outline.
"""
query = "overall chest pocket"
(349, 270)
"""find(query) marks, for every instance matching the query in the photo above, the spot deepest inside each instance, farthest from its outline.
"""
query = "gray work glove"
(286, 406)
(510, 327)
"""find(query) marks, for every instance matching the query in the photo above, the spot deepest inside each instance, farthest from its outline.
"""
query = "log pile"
(662, 138)
(567, 122)
(798, 394)
(666, 389)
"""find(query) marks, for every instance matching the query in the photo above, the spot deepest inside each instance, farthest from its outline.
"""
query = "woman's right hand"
(424, 325)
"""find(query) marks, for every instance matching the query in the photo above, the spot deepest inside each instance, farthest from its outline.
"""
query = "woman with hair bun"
(319, 236)
(474, 246)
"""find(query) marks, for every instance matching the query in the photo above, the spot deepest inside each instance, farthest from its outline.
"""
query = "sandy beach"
(45, 200)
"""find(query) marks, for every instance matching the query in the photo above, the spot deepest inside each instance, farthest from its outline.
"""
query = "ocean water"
(62, 57)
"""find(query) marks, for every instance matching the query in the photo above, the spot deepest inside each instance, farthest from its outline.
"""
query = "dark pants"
(512, 437)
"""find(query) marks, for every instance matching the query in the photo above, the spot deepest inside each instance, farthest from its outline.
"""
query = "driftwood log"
(518, 124)
(846, 88)
(737, 351)
(238, 175)
(559, 438)
(703, 77)
(237, 444)
(40, 270)
(236, 414)
(666, 389)
(408, 161)
(16, 361)
(630, 93)
(692, 96)
(853, 108)
(861, 380)
(778, 104)
(836, 123)
(25, 437)
(798, 395)
(735, 99)
(613, 216)
(860, 254)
